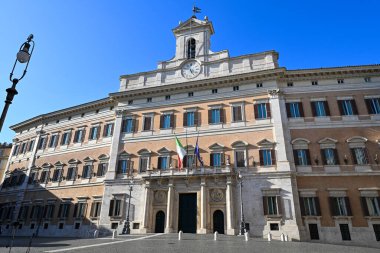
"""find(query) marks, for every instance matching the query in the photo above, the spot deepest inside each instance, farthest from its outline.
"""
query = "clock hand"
(191, 70)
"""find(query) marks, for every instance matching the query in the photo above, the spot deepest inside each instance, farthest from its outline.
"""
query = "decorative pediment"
(357, 139)
(327, 140)
(300, 141)
(124, 154)
(73, 161)
(163, 150)
(103, 157)
(144, 151)
(59, 164)
(239, 144)
(189, 147)
(265, 142)
(46, 165)
(216, 146)
(88, 159)
(193, 23)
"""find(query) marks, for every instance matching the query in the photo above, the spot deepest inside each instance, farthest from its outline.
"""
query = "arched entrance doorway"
(160, 222)
(218, 219)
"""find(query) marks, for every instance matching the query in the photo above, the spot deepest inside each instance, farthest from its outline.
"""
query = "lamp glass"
(23, 56)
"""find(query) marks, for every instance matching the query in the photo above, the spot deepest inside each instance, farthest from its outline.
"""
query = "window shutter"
(340, 106)
(353, 156)
(367, 156)
(111, 129)
(348, 206)
(112, 203)
(44, 143)
(75, 210)
(76, 136)
(69, 138)
(313, 109)
(211, 159)
(265, 205)
(261, 157)
(269, 115)
(69, 207)
(295, 155)
(222, 115)
(301, 109)
(97, 132)
(317, 206)
(279, 205)
(368, 104)
(302, 206)
(134, 124)
(364, 206)
(162, 121)
(92, 209)
(327, 108)
(333, 206)
(324, 161)
(336, 156)
(123, 124)
(308, 157)
(52, 211)
(83, 135)
(273, 156)
(238, 116)
(210, 116)
(172, 117)
(197, 116)
(91, 132)
(287, 105)
(256, 110)
(223, 159)
(159, 163)
(354, 107)
(185, 119)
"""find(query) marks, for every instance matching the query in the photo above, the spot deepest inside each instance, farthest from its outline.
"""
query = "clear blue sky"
(83, 46)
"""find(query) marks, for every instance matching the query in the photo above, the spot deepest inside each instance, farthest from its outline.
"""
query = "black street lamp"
(242, 222)
(23, 56)
(127, 227)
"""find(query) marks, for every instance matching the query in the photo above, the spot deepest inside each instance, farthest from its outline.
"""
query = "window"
(149, 100)
(23, 213)
(189, 161)
(130, 102)
(87, 171)
(147, 123)
(42, 143)
(80, 210)
(30, 146)
(240, 158)
(290, 84)
(330, 156)
(191, 46)
(376, 229)
(123, 166)
(216, 159)
(64, 210)
(115, 207)
(235, 88)
(166, 121)
(373, 105)
(108, 130)
(340, 206)
(128, 125)
(214, 91)
(271, 205)
(66, 138)
(310, 206)
(102, 169)
(347, 107)
(94, 133)
(320, 109)
(294, 110)
(314, 233)
(167, 97)
(53, 141)
(71, 173)
(367, 79)
(237, 113)
(190, 119)
(360, 156)
(163, 162)
(216, 116)
(302, 157)
(371, 206)
(262, 111)
(345, 232)
(57, 175)
(49, 211)
(32, 177)
(44, 176)
(79, 136)
(340, 81)
(23, 148)
(36, 212)
(314, 83)
(15, 150)
(259, 85)
(143, 164)
(95, 209)
(191, 94)
(267, 157)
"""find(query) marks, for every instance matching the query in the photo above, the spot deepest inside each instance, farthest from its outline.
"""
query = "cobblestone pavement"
(169, 243)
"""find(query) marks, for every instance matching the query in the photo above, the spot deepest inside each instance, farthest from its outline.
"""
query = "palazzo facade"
(294, 152)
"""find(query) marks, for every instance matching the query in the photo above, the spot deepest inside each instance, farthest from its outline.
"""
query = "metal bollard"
(96, 233)
(282, 237)
(114, 234)
(216, 236)
(269, 237)
(246, 236)
(286, 238)
(180, 235)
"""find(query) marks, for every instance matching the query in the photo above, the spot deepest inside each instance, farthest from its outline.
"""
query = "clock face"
(191, 69)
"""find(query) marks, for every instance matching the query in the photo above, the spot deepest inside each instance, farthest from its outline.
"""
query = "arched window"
(191, 48)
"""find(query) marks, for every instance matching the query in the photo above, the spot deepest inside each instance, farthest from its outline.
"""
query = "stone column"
(147, 207)
(281, 133)
(203, 229)
(169, 208)
(230, 208)
(114, 150)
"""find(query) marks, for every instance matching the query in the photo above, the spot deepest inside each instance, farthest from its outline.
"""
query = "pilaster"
(230, 208)
(203, 229)
(169, 208)
(114, 150)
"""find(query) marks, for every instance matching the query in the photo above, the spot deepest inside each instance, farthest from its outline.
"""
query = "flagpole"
(187, 149)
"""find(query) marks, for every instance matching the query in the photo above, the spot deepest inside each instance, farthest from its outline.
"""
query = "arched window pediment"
(266, 143)
(124, 154)
(103, 157)
(73, 161)
(59, 164)
(88, 159)
(144, 151)
(356, 139)
(46, 165)
(300, 141)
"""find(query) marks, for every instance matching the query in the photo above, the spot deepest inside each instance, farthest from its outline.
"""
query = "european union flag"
(197, 154)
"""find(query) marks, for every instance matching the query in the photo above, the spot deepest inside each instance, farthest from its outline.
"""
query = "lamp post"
(127, 227)
(242, 222)
(23, 56)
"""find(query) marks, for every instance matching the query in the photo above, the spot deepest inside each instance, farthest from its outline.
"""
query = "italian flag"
(181, 152)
